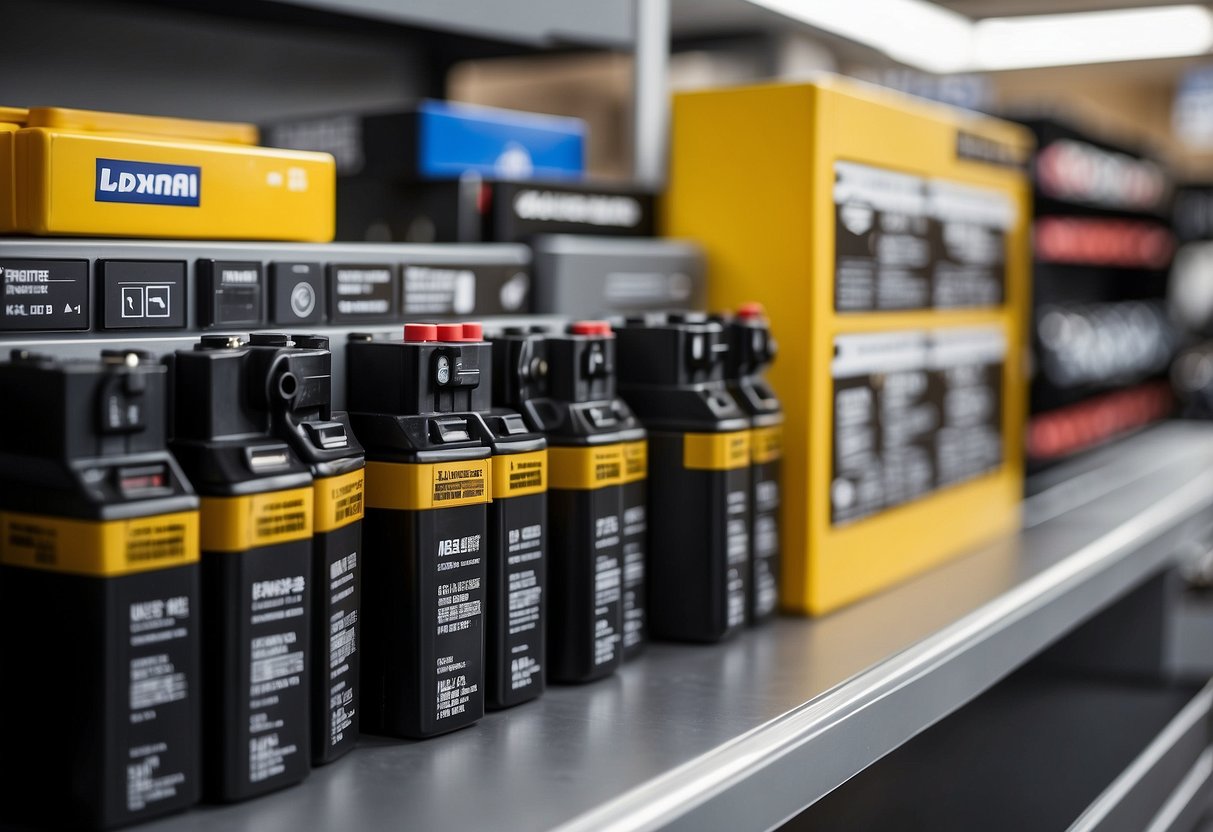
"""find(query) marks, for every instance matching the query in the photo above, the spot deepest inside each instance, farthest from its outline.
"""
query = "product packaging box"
(887, 238)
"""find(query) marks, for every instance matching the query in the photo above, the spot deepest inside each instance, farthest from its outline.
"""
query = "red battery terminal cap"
(450, 332)
(752, 311)
(420, 332)
(590, 328)
(473, 331)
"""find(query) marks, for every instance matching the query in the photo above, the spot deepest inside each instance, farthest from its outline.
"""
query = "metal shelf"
(746, 734)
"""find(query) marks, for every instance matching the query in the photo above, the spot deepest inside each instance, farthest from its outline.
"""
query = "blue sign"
(147, 182)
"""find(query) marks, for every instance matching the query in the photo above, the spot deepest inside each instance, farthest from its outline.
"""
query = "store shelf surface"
(746, 734)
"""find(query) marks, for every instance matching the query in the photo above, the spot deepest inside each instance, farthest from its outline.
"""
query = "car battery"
(324, 442)
(413, 405)
(671, 373)
(865, 250)
(516, 602)
(564, 385)
(83, 173)
(99, 590)
(257, 526)
(12, 119)
(751, 352)
(581, 274)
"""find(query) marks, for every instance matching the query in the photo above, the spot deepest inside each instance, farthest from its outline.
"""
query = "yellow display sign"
(716, 451)
(339, 500)
(791, 188)
(589, 467)
(516, 475)
(236, 524)
(101, 548)
(412, 486)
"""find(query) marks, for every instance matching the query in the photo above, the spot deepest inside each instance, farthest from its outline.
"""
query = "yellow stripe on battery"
(516, 475)
(339, 500)
(635, 461)
(8, 177)
(236, 524)
(716, 451)
(766, 444)
(585, 468)
(414, 486)
(99, 548)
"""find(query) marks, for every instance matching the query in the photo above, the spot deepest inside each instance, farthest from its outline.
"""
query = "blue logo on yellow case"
(147, 182)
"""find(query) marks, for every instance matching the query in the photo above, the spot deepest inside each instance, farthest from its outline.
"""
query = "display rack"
(749, 733)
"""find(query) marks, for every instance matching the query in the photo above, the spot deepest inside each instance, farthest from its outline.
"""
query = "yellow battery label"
(412, 486)
(766, 444)
(8, 177)
(595, 466)
(635, 461)
(338, 500)
(716, 451)
(103, 548)
(236, 524)
(516, 475)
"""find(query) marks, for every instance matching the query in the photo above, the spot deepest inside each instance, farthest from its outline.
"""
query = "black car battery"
(516, 609)
(751, 351)
(324, 442)
(564, 385)
(671, 373)
(99, 594)
(257, 523)
(413, 405)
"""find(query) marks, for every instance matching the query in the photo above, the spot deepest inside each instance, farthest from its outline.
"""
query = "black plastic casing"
(564, 386)
(104, 724)
(752, 349)
(257, 653)
(671, 373)
(424, 571)
(324, 442)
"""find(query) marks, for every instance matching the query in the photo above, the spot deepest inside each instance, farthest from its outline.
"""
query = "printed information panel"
(908, 242)
(913, 412)
(44, 295)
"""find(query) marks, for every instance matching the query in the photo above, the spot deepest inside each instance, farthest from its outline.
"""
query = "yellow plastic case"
(108, 174)
(753, 177)
(12, 119)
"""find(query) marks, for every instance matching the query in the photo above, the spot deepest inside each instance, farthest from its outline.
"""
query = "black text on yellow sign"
(339, 500)
(716, 451)
(412, 486)
(235, 524)
(595, 466)
(516, 475)
(766, 444)
(635, 461)
(99, 547)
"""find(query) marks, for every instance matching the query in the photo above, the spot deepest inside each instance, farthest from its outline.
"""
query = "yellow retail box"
(116, 175)
(887, 238)
(12, 119)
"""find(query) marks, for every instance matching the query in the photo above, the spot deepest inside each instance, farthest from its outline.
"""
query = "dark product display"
(516, 602)
(99, 594)
(564, 385)
(751, 351)
(1102, 337)
(257, 525)
(301, 371)
(475, 210)
(672, 374)
(579, 274)
(415, 406)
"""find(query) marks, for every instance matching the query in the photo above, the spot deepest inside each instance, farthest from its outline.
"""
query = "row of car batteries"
(214, 582)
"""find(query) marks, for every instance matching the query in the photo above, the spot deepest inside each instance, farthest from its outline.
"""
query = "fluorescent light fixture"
(1091, 37)
(934, 39)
